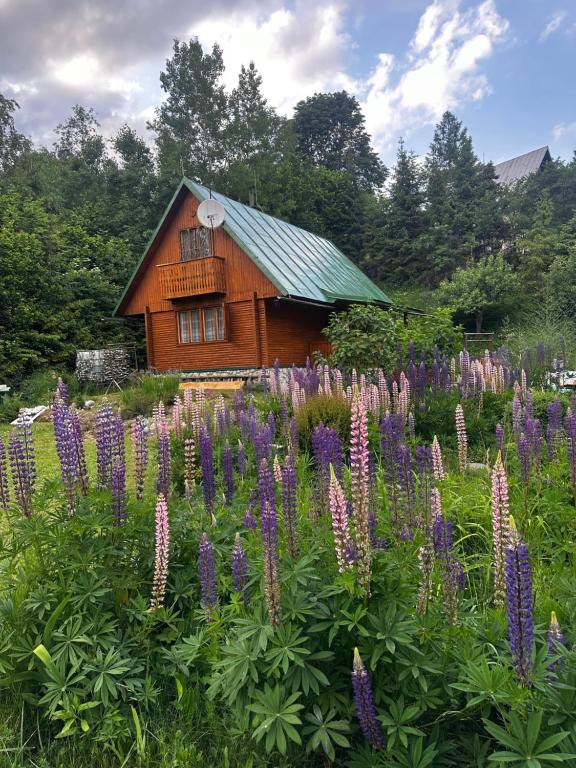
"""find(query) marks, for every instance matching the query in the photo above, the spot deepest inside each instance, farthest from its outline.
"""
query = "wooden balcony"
(198, 277)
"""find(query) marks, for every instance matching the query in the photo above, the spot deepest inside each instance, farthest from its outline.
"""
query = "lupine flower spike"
(359, 471)
(162, 554)
(555, 640)
(364, 700)
(207, 573)
(462, 438)
(339, 513)
(239, 569)
(4, 486)
(269, 542)
(500, 527)
(519, 604)
(437, 462)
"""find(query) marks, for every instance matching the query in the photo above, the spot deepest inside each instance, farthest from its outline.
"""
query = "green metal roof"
(299, 263)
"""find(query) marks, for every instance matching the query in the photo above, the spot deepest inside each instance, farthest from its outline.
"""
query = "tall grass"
(146, 391)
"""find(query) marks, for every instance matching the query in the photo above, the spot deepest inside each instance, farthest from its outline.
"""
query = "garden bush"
(323, 409)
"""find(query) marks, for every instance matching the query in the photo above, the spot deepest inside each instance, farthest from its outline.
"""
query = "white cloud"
(564, 129)
(440, 71)
(297, 52)
(553, 25)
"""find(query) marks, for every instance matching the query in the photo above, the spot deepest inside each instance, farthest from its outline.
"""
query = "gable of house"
(280, 258)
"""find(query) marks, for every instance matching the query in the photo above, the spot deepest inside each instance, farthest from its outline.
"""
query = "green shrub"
(331, 411)
(9, 407)
(146, 392)
(366, 336)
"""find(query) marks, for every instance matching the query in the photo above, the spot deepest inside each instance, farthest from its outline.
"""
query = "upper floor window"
(195, 243)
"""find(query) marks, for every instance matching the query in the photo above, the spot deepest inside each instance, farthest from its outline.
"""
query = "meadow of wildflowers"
(271, 588)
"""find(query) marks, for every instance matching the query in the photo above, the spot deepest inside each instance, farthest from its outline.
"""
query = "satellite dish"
(211, 213)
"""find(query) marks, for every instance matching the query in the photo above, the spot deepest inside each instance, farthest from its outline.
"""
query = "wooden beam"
(257, 339)
(149, 338)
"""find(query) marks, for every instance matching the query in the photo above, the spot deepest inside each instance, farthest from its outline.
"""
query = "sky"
(506, 68)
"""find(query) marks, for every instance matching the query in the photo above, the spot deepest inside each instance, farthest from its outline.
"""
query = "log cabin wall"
(294, 331)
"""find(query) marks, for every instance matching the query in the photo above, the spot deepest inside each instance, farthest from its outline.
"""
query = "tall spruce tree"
(190, 123)
(406, 221)
(465, 219)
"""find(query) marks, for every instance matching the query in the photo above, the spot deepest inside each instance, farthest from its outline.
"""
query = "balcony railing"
(192, 278)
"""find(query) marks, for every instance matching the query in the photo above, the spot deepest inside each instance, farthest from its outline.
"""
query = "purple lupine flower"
(250, 521)
(271, 423)
(524, 457)
(519, 605)
(189, 466)
(406, 491)
(22, 464)
(207, 465)
(104, 438)
(289, 505)
(118, 473)
(451, 569)
(228, 472)
(206, 573)
(499, 433)
(269, 542)
(360, 482)
(570, 429)
(240, 569)
(517, 418)
(62, 392)
(139, 434)
(4, 485)
(364, 700)
(64, 439)
(327, 450)
(555, 641)
(263, 443)
(533, 433)
(390, 440)
(161, 554)
(164, 459)
(81, 464)
(241, 460)
(425, 468)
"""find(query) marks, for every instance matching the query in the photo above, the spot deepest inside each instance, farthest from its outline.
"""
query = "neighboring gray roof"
(299, 263)
(511, 171)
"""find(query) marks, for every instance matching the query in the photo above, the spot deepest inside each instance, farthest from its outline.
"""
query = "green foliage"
(363, 337)
(366, 337)
(434, 329)
(330, 131)
(147, 391)
(321, 409)
(487, 284)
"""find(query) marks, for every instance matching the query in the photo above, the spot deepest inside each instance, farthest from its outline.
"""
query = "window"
(201, 325)
(195, 243)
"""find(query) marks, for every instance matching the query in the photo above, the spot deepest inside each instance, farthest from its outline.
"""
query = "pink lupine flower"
(437, 462)
(340, 529)
(162, 554)
(277, 469)
(462, 438)
(500, 527)
(177, 421)
(359, 470)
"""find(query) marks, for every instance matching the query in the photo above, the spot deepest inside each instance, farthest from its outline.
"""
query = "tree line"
(74, 217)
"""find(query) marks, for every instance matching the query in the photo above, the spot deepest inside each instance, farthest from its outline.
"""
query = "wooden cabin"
(242, 295)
